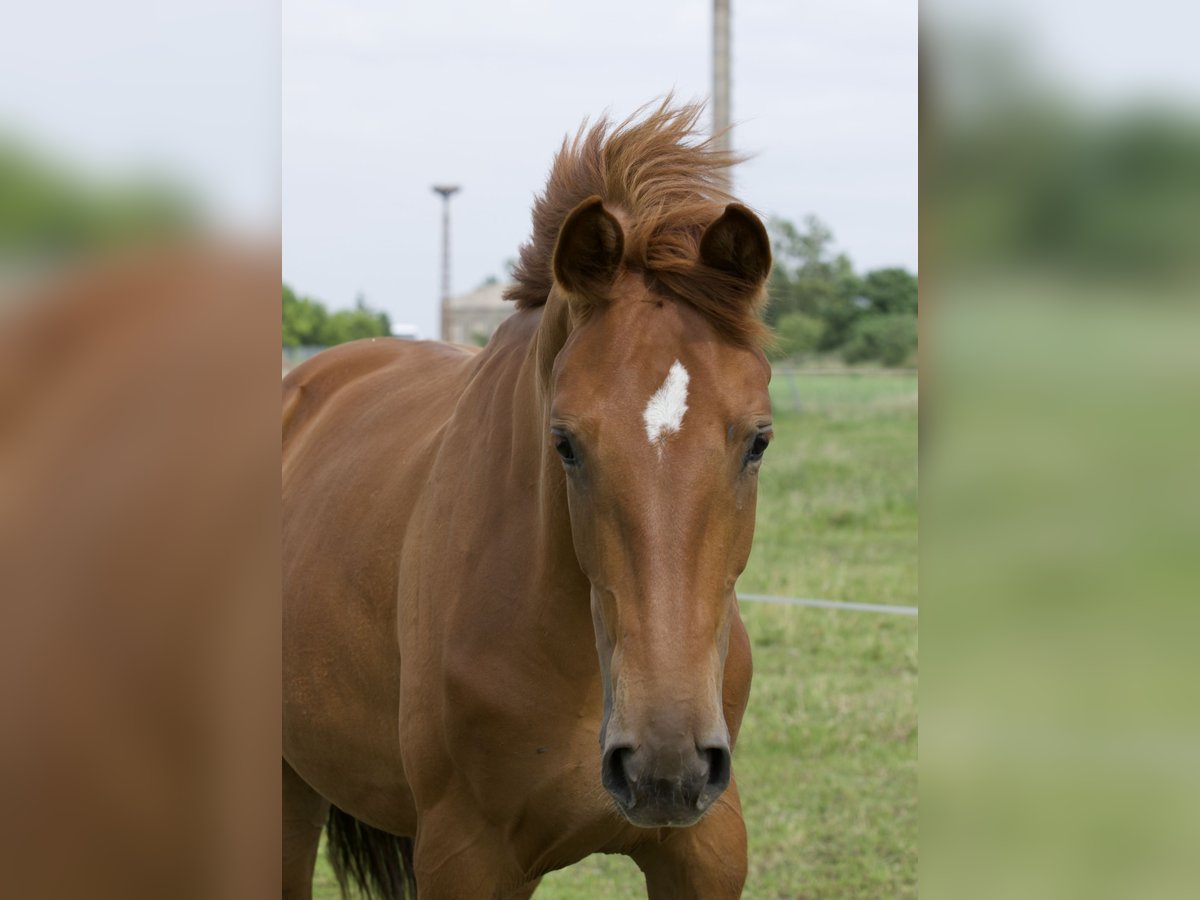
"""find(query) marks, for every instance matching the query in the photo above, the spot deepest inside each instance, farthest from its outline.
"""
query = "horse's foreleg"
(304, 813)
(707, 860)
(458, 856)
(524, 893)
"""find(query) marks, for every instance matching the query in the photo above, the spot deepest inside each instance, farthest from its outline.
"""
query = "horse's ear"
(737, 243)
(589, 249)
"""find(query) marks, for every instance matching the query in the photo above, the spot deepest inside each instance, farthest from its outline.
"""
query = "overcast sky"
(383, 99)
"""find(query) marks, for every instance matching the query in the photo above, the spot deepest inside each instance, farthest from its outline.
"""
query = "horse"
(511, 637)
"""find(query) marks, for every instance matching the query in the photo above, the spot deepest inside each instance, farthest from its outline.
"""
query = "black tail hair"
(380, 864)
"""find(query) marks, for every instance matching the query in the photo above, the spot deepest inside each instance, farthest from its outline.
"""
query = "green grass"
(826, 761)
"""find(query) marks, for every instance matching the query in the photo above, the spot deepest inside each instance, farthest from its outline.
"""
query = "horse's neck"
(499, 433)
(561, 587)
(527, 345)
(554, 521)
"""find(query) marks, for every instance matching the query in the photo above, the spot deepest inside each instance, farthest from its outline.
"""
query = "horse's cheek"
(739, 670)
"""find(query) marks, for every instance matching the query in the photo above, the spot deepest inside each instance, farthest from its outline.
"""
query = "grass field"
(827, 757)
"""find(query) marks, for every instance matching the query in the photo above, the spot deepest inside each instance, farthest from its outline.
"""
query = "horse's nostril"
(718, 771)
(614, 776)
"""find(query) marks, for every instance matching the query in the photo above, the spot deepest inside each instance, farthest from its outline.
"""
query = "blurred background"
(1060, 239)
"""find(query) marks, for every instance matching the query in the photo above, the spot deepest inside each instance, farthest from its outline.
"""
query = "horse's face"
(661, 424)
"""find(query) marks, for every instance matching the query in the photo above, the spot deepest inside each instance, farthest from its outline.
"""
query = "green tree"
(812, 281)
(306, 322)
(797, 334)
(808, 277)
(303, 319)
(804, 249)
(348, 325)
(889, 339)
(891, 291)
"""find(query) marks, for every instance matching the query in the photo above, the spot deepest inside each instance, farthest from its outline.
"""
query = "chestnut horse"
(494, 559)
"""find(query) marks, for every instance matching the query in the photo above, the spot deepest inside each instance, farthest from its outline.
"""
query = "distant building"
(473, 317)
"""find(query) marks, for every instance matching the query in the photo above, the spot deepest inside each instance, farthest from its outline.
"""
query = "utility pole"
(446, 190)
(721, 90)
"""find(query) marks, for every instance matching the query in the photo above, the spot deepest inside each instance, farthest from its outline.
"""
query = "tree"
(797, 334)
(890, 339)
(808, 278)
(303, 319)
(807, 250)
(891, 291)
(306, 322)
(812, 282)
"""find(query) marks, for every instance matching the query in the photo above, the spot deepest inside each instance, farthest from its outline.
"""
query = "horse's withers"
(661, 463)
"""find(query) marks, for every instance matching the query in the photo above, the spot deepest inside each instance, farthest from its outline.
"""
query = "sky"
(183, 90)
(382, 100)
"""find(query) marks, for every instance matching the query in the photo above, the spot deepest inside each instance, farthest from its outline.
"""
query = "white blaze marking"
(664, 412)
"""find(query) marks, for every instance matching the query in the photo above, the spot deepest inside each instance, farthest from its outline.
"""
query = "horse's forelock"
(667, 180)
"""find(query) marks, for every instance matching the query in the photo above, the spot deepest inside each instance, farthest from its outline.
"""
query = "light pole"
(721, 89)
(446, 190)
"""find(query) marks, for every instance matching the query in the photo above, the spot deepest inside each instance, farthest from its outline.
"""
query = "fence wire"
(831, 604)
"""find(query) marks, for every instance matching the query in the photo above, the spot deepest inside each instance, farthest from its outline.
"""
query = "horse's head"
(660, 417)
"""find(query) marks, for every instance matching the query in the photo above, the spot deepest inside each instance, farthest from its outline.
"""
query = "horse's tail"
(378, 863)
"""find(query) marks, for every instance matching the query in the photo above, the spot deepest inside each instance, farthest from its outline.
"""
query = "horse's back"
(361, 424)
(413, 368)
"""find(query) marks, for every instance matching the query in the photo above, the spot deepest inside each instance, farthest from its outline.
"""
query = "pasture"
(827, 758)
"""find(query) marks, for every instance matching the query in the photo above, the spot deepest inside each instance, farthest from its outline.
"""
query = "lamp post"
(446, 190)
(721, 86)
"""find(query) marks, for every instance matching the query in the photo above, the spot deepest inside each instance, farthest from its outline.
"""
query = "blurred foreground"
(139, 650)
(139, 480)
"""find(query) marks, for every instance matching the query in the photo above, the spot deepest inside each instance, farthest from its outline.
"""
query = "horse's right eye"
(562, 444)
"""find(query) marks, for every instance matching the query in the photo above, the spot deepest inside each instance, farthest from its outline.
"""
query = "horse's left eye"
(758, 448)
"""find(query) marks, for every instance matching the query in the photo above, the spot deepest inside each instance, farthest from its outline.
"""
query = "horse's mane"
(666, 181)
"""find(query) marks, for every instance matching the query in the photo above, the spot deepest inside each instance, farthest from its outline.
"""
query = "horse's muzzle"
(670, 786)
